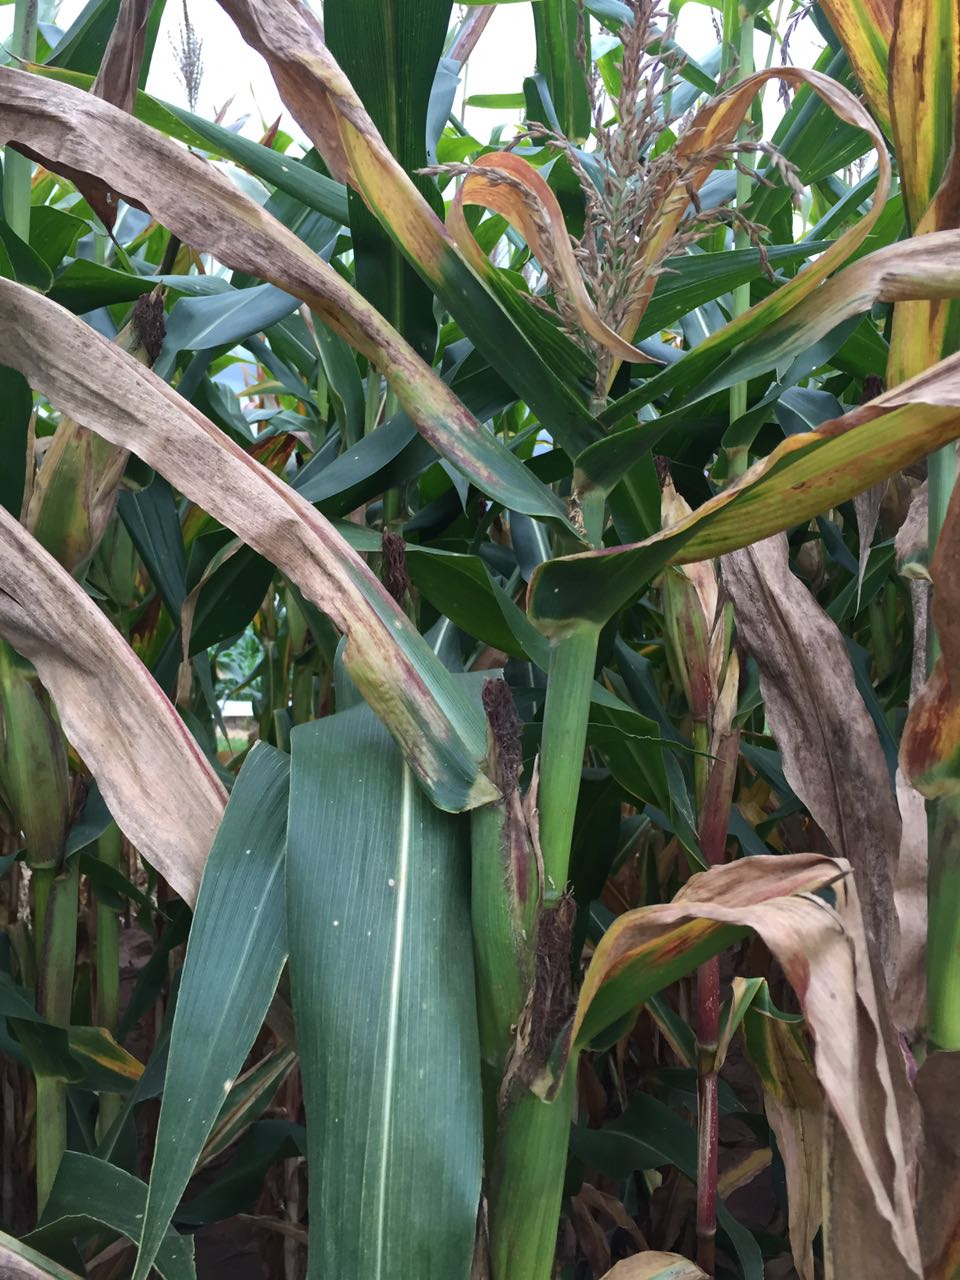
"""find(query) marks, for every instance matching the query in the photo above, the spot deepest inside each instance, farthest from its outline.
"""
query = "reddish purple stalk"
(714, 820)
(470, 32)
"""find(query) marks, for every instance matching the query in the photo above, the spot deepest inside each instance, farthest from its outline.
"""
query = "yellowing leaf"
(865, 29)
(97, 1044)
(807, 474)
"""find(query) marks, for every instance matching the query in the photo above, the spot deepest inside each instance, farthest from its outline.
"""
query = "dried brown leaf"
(158, 785)
(116, 82)
(930, 746)
(938, 1201)
(830, 748)
(823, 952)
(796, 1110)
(103, 388)
(909, 994)
(119, 72)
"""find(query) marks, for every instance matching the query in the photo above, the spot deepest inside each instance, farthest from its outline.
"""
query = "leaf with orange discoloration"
(507, 184)
(930, 747)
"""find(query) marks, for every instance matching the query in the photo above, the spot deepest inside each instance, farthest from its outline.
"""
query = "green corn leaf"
(236, 951)
(90, 1194)
(556, 25)
(16, 406)
(805, 475)
(378, 914)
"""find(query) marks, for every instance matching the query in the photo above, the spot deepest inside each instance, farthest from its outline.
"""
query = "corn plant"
(561, 505)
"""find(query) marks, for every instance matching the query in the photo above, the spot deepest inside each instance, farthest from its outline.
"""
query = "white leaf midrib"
(393, 1013)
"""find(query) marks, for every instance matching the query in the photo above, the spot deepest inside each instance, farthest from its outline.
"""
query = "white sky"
(503, 56)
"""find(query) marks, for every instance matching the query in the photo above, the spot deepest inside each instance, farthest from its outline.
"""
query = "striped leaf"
(381, 969)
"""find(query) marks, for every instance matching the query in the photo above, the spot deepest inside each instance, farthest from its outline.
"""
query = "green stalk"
(527, 1184)
(109, 848)
(565, 714)
(530, 1157)
(51, 1134)
(17, 169)
(708, 1030)
(943, 827)
(503, 956)
(58, 954)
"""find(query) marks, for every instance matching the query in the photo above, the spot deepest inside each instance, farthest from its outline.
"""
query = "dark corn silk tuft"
(395, 576)
(552, 999)
(662, 464)
(505, 729)
(149, 322)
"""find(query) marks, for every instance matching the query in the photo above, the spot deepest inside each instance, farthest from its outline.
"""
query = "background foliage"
(560, 503)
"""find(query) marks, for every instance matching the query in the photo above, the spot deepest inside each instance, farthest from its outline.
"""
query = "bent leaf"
(77, 133)
(101, 387)
(322, 100)
(805, 475)
(163, 794)
(507, 184)
(927, 266)
(823, 953)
